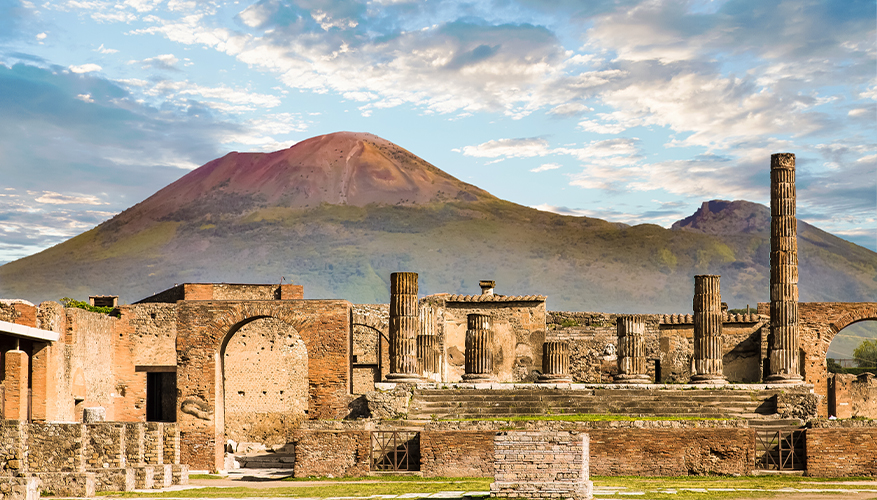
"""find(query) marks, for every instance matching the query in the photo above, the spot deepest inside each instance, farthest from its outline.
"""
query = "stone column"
(428, 355)
(707, 331)
(479, 349)
(632, 368)
(403, 328)
(555, 363)
(784, 366)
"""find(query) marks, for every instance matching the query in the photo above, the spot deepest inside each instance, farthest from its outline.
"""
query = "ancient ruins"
(212, 376)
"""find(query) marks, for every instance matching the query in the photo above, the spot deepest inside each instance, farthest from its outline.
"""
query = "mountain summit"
(338, 213)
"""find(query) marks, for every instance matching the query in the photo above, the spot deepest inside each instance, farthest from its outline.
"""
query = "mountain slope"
(339, 213)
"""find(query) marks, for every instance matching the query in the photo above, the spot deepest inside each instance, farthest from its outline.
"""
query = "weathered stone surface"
(546, 464)
(67, 484)
(479, 349)
(389, 404)
(19, 488)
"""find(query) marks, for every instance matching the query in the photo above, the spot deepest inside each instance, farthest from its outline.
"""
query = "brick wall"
(456, 453)
(671, 452)
(371, 331)
(266, 382)
(202, 329)
(840, 452)
(332, 453)
(852, 396)
(541, 464)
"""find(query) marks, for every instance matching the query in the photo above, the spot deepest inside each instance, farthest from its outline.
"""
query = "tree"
(866, 354)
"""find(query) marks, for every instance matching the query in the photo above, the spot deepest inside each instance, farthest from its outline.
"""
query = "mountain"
(338, 213)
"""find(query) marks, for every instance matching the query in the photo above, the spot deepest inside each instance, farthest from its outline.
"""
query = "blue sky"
(631, 111)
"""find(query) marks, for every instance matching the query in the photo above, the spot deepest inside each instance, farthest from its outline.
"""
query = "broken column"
(555, 363)
(632, 368)
(784, 366)
(479, 349)
(708, 367)
(403, 328)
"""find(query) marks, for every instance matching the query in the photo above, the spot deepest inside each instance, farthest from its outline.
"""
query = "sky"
(627, 110)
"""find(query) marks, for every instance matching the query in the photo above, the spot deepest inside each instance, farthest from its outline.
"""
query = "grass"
(383, 485)
(677, 488)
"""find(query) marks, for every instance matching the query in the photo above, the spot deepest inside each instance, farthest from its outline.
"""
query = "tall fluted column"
(632, 368)
(783, 272)
(479, 349)
(555, 363)
(707, 331)
(428, 350)
(403, 328)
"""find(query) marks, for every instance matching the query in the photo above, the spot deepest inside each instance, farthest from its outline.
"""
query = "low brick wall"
(456, 453)
(19, 488)
(839, 452)
(331, 453)
(541, 464)
(676, 452)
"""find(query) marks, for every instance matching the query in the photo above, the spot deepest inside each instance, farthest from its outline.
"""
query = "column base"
(404, 377)
(784, 379)
(632, 379)
(709, 379)
(554, 378)
(478, 377)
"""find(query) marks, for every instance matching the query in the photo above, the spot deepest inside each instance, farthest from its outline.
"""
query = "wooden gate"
(780, 450)
(395, 451)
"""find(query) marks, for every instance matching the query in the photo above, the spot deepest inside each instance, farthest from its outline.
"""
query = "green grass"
(655, 487)
(393, 485)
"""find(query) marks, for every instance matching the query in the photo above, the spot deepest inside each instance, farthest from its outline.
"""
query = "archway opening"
(851, 358)
(265, 382)
(857, 338)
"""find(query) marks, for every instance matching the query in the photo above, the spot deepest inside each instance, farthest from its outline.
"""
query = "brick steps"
(488, 403)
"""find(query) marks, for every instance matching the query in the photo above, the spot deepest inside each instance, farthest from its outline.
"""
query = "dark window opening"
(161, 397)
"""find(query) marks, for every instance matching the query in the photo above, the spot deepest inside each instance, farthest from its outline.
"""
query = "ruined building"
(222, 364)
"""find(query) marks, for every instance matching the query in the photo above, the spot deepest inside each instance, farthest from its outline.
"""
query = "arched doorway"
(851, 391)
(265, 381)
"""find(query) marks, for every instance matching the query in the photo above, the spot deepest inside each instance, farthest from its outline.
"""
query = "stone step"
(266, 461)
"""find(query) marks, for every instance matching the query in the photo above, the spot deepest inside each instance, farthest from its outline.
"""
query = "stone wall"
(332, 453)
(456, 453)
(226, 291)
(518, 334)
(840, 452)
(56, 447)
(534, 464)
(371, 331)
(668, 339)
(266, 382)
(202, 329)
(852, 396)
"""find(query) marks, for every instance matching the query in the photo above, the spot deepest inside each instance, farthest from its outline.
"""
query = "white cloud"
(52, 198)
(546, 166)
(42, 36)
(509, 148)
(104, 50)
(85, 97)
(163, 61)
(85, 68)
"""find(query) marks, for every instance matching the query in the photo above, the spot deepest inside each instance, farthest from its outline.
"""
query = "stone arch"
(203, 329)
(371, 329)
(819, 323)
(264, 381)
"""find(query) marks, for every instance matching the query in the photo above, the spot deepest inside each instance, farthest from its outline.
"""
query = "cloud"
(85, 68)
(104, 50)
(52, 198)
(42, 36)
(545, 167)
(509, 148)
(165, 61)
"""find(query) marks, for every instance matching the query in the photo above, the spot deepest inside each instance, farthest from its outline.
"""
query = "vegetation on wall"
(79, 304)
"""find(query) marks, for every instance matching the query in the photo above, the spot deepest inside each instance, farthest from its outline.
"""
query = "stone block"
(114, 479)
(67, 484)
(180, 474)
(19, 488)
(144, 477)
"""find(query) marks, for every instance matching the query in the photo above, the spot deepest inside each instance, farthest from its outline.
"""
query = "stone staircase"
(281, 458)
(490, 403)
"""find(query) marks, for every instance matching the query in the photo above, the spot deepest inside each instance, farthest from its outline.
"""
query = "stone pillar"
(479, 349)
(707, 331)
(403, 328)
(555, 363)
(16, 393)
(783, 351)
(632, 367)
(428, 355)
